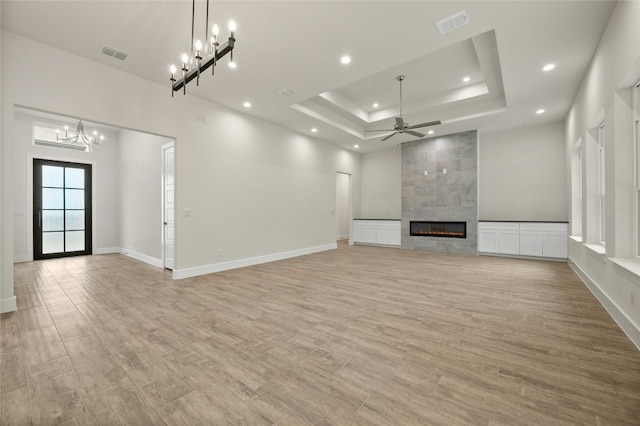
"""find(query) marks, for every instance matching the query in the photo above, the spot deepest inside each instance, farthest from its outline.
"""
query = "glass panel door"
(61, 209)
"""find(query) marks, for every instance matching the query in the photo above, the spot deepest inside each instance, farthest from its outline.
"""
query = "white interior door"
(342, 205)
(168, 206)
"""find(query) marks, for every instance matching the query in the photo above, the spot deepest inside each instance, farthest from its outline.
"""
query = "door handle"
(39, 219)
(165, 224)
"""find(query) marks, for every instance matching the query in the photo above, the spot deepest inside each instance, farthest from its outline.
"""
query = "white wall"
(381, 185)
(521, 174)
(104, 162)
(254, 189)
(612, 274)
(140, 212)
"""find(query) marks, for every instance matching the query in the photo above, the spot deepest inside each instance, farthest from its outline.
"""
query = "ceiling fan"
(401, 125)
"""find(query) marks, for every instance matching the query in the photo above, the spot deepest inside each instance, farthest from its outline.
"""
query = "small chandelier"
(203, 56)
(80, 136)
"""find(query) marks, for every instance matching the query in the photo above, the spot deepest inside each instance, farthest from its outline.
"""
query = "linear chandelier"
(80, 136)
(193, 66)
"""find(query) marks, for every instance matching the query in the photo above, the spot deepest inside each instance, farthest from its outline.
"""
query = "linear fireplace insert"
(438, 229)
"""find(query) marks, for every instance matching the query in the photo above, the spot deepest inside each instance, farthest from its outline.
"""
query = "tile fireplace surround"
(440, 183)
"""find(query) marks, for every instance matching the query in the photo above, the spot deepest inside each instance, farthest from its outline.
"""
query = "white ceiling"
(297, 46)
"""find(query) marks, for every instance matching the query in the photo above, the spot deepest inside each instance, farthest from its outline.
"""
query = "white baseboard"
(8, 305)
(108, 250)
(142, 257)
(20, 258)
(629, 328)
(241, 263)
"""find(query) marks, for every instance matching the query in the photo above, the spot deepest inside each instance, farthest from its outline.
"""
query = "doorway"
(61, 209)
(168, 206)
(342, 205)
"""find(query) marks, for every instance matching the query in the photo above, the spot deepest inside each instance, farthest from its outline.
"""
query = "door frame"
(349, 203)
(162, 207)
(29, 213)
(88, 189)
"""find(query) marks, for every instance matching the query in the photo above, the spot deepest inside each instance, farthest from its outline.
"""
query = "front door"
(61, 209)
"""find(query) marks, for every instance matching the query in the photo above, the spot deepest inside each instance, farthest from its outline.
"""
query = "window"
(576, 189)
(601, 183)
(636, 164)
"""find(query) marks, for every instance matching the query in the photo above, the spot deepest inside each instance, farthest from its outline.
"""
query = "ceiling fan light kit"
(402, 126)
(211, 49)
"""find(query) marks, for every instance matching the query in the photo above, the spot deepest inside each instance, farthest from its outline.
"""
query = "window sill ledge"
(628, 266)
(596, 248)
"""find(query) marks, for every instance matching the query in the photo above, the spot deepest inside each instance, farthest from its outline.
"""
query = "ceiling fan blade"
(429, 123)
(381, 130)
(416, 134)
(399, 123)
(387, 137)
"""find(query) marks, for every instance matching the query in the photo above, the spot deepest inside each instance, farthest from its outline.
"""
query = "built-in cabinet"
(536, 239)
(499, 237)
(382, 232)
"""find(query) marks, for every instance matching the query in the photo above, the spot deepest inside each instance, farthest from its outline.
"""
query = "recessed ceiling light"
(430, 132)
(356, 146)
(548, 67)
(375, 105)
(232, 65)
(345, 60)
(466, 79)
(247, 104)
(540, 111)
(314, 130)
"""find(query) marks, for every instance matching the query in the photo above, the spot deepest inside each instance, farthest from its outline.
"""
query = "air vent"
(285, 92)
(110, 51)
(453, 22)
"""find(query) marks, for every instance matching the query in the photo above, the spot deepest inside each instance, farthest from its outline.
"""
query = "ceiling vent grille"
(285, 92)
(453, 22)
(110, 51)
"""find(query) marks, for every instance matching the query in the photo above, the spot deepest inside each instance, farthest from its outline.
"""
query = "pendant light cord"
(206, 27)
(193, 14)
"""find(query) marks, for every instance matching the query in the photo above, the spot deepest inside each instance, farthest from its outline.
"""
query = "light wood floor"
(354, 336)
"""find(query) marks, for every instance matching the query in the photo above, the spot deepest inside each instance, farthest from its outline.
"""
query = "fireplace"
(438, 229)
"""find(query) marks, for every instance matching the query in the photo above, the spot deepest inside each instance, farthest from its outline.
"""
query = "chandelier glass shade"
(203, 55)
(79, 137)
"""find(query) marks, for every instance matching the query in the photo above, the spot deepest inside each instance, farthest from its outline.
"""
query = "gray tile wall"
(441, 197)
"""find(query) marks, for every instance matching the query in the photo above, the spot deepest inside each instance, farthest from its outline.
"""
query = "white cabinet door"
(388, 233)
(488, 241)
(498, 237)
(508, 242)
(531, 243)
(555, 244)
(364, 232)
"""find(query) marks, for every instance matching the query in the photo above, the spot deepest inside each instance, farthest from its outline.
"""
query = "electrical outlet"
(633, 298)
(219, 252)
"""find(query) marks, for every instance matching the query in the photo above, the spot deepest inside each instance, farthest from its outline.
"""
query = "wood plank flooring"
(354, 336)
